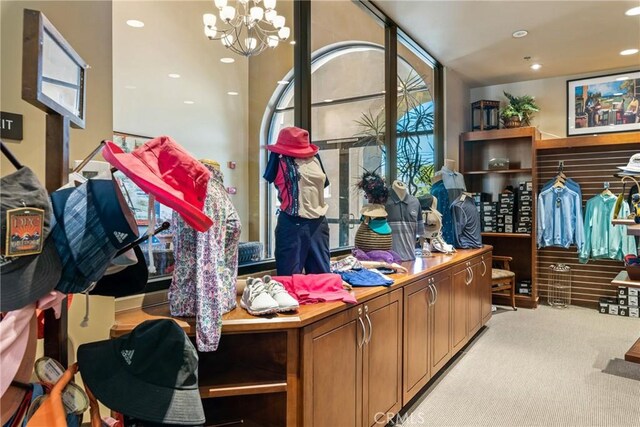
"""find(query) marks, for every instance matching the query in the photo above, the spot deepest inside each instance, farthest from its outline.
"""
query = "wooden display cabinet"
(518, 145)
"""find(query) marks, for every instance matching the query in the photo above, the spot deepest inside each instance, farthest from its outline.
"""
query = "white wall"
(456, 115)
(215, 126)
(550, 95)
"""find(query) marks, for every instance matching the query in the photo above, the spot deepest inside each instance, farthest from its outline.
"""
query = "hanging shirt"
(603, 240)
(206, 265)
(439, 192)
(466, 223)
(406, 222)
(300, 184)
(573, 186)
(559, 218)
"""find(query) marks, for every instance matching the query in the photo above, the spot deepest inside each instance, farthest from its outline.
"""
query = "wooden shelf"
(242, 381)
(622, 279)
(517, 235)
(583, 141)
(503, 171)
(482, 135)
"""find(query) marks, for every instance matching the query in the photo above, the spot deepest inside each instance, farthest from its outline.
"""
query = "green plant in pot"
(519, 111)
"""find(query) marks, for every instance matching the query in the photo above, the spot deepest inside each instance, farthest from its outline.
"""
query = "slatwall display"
(590, 167)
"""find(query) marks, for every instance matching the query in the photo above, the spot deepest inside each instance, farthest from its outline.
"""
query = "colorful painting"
(604, 104)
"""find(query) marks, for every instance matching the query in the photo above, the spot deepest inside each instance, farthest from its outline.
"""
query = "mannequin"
(446, 188)
(405, 219)
(400, 189)
(212, 163)
(206, 264)
(302, 231)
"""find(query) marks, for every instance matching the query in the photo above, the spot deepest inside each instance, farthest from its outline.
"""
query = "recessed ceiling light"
(520, 33)
(536, 66)
(227, 60)
(135, 23)
(174, 76)
(328, 100)
(283, 82)
(292, 42)
(619, 79)
(633, 11)
(629, 52)
(189, 102)
(232, 93)
(129, 87)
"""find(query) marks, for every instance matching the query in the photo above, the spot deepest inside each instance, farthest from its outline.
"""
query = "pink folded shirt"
(313, 288)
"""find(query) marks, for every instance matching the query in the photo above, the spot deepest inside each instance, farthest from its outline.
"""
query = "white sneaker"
(256, 299)
(278, 292)
(439, 245)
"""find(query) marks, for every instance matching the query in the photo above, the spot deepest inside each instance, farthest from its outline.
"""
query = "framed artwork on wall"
(603, 104)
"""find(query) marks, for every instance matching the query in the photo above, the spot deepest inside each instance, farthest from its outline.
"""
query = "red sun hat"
(294, 142)
(163, 168)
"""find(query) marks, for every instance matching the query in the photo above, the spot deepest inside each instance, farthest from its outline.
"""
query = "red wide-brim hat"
(294, 142)
(163, 168)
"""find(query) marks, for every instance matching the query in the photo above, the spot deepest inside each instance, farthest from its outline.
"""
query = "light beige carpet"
(544, 367)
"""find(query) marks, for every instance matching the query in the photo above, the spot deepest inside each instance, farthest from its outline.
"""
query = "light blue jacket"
(603, 239)
(559, 219)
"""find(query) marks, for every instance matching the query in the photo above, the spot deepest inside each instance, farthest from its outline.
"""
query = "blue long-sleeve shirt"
(559, 219)
(603, 239)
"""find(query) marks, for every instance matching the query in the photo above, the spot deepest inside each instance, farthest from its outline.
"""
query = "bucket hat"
(163, 168)
(374, 210)
(24, 279)
(17, 343)
(158, 366)
(294, 142)
(128, 281)
(94, 222)
(633, 167)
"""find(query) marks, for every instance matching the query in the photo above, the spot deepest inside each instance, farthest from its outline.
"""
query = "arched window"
(348, 117)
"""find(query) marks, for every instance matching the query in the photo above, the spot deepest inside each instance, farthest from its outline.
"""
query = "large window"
(349, 125)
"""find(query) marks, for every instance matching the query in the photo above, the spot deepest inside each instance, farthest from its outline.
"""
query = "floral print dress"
(206, 265)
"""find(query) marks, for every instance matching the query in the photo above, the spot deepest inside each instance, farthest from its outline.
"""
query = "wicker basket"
(368, 240)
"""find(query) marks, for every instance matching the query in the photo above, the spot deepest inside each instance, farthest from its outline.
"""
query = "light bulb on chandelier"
(248, 28)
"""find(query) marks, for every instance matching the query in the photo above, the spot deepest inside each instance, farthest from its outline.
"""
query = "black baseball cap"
(128, 281)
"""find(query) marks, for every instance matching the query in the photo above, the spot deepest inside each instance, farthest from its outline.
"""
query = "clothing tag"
(24, 231)
(463, 197)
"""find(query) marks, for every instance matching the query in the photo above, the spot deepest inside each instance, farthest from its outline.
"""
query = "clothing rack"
(591, 162)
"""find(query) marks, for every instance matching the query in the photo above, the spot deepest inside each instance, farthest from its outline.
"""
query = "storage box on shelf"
(504, 225)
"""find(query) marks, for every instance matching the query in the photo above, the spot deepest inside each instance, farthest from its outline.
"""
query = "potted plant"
(519, 111)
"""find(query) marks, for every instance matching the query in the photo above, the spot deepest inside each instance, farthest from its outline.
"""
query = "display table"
(332, 364)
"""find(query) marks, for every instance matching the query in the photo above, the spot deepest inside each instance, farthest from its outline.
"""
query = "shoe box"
(480, 198)
(628, 296)
(523, 287)
(488, 216)
(525, 186)
(620, 306)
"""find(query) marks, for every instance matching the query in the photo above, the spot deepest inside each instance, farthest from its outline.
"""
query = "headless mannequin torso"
(400, 189)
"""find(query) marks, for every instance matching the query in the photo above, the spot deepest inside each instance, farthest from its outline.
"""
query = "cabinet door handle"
(431, 300)
(468, 279)
(471, 271)
(364, 331)
(435, 288)
(366, 314)
(485, 268)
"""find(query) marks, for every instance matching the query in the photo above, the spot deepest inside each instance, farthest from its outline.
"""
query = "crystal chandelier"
(251, 26)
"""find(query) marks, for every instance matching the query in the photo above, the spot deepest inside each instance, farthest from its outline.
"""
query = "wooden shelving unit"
(514, 235)
(518, 145)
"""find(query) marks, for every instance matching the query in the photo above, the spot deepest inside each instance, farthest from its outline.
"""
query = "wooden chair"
(503, 279)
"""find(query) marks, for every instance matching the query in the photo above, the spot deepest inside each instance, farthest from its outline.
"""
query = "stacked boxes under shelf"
(624, 304)
(525, 208)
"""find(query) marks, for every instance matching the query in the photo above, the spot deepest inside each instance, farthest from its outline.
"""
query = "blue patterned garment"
(206, 267)
(440, 192)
